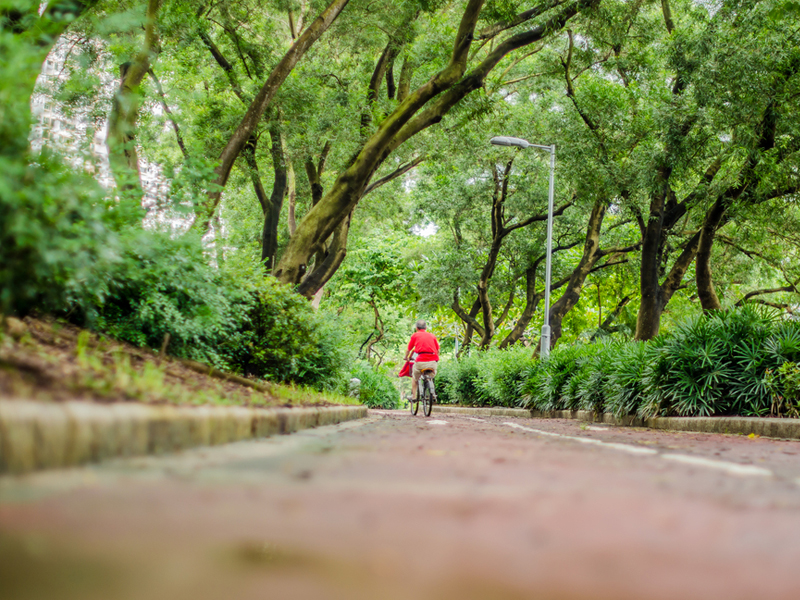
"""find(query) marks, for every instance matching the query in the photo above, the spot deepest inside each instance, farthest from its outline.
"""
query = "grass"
(48, 360)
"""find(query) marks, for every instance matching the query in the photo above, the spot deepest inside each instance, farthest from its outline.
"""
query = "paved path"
(397, 507)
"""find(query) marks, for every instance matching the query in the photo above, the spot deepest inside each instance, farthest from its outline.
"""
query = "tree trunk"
(404, 84)
(121, 137)
(291, 192)
(328, 263)
(649, 318)
(386, 59)
(269, 236)
(323, 218)
(378, 327)
(591, 254)
(532, 299)
(703, 277)
(471, 323)
(249, 153)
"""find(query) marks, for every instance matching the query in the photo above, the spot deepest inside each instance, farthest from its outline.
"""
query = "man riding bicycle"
(426, 346)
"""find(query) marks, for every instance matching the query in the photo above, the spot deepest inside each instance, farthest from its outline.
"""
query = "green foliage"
(502, 373)
(376, 390)
(463, 385)
(490, 378)
(546, 387)
(55, 239)
(624, 391)
(281, 338)
(741, 361)
(783, 384)
(716, 363)
(446, 377)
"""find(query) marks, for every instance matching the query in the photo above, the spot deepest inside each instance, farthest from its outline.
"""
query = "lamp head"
(510, 141)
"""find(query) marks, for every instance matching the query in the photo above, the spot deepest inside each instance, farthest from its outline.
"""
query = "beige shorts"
(416, 372)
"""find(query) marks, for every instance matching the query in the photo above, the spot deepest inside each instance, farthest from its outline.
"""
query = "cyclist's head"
(421, 324)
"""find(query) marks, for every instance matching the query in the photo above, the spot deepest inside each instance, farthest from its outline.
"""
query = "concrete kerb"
(764, 427)
(39, 435)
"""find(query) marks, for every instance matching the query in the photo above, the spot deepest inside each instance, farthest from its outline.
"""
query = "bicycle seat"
(429, 371)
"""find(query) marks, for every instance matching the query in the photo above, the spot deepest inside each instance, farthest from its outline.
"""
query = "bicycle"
(425, 391)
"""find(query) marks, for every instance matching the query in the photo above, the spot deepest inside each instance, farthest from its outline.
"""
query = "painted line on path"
(727, 467)
(590, 441)
(436, 422)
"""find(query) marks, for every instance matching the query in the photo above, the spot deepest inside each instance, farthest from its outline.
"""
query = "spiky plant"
(625, 393)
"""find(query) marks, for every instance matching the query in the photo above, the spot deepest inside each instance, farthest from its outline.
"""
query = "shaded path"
(403, 507)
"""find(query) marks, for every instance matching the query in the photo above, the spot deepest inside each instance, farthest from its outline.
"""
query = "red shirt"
(425, 345)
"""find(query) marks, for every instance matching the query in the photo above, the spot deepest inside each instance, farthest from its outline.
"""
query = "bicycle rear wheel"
(427, 397)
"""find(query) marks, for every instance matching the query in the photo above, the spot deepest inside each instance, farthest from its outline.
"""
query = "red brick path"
(403, 507)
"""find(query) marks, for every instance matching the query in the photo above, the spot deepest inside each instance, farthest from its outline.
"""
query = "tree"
(419, 110)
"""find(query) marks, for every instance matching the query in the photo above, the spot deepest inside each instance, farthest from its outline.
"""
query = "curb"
(39, 435)
(761, 426)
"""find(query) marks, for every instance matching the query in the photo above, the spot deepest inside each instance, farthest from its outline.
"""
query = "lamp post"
(544, 350)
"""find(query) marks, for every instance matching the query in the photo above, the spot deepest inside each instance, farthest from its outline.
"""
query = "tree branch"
(493, 30)
(402, 170)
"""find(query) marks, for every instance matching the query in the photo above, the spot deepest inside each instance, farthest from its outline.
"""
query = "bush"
(56, 241)
(740, 361)
(545, 387)
(465, 388)
(502, 373)
(73, 254)
(446, 378)
(376, 389)
(717, 363)
(281, 338)
(624, 389)
(784, 386)
(164, 286)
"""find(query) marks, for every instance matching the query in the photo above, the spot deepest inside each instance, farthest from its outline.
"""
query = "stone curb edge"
(39, 435)
(764, 427)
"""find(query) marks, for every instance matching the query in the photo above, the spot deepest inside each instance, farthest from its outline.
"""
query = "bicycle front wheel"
(413, 402)
(427, 398)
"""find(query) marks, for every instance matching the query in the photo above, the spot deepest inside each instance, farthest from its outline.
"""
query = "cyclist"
(426, 346)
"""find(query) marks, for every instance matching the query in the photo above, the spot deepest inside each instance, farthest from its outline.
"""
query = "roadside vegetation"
(735, 362)
(278, 190)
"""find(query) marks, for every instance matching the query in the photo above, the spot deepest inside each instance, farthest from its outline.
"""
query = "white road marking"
(474, 419)
(593, 428)
(436, 422)
(585, 440)
(728, 467)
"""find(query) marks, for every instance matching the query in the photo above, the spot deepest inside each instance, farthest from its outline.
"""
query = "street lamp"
(544, 350)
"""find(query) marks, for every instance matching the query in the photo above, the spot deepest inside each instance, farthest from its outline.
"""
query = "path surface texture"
(402, 507)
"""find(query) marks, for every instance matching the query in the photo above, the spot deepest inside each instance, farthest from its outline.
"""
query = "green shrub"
(545, 387)
(446, 378)
(502, 372)
(164, 286)
(465, 388)
(739, 361)
(783, 384)
(281, 338)
(624, 390)
(376, 390)
(56, 241)
(598, 366)
(716, 363)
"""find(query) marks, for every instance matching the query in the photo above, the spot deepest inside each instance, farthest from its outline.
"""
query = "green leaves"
(742, 361)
